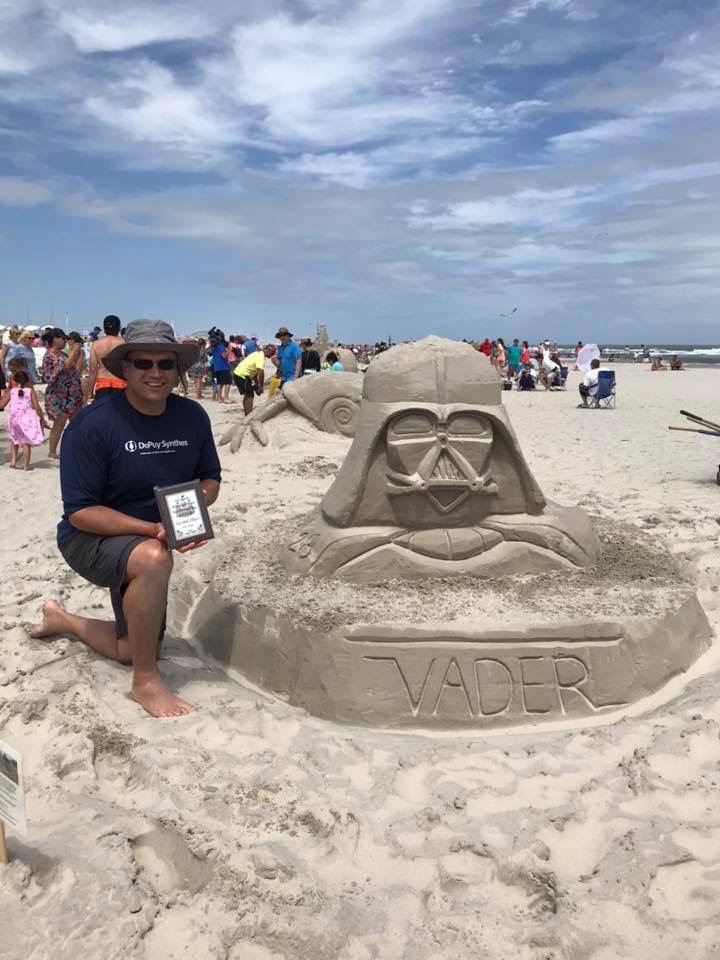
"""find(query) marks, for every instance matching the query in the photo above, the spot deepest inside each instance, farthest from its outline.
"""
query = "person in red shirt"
(485, 347)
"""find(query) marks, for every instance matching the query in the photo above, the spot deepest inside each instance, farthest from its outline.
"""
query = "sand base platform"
(454, 653)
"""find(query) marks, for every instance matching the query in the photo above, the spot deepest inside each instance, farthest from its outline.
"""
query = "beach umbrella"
(591, 351)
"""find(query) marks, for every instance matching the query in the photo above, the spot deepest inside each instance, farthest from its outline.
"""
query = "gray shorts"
(103, 561)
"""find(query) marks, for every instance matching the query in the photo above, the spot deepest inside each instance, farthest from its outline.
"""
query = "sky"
(385, 167)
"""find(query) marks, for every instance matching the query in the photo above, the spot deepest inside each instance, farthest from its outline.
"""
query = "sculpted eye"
(412, 424)
(469, 425)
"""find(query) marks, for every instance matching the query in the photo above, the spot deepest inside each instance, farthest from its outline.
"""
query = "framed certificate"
(184, 513)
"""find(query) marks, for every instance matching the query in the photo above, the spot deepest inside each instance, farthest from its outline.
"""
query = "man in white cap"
(113, 455)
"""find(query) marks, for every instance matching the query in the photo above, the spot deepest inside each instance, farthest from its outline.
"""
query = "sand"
(250, 831)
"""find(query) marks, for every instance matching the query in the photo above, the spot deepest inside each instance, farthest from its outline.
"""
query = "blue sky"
(400, 167)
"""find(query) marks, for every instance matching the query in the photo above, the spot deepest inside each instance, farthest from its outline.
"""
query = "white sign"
(12, 795)
(185, 514)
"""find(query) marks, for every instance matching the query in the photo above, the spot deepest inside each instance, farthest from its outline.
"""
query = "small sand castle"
(435, 586)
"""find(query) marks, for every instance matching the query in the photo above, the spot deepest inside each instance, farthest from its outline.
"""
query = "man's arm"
(92, 373)
(210, 489)
(298, 365)
(107, 522)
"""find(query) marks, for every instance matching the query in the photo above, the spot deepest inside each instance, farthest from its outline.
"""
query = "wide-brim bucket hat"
(282, 332)
(153, 336)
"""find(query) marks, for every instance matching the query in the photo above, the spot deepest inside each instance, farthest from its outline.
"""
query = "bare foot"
(154, 696)
(52, 620)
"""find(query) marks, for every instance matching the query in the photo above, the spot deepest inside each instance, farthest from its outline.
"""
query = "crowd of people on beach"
(525, 367)
(70, 368)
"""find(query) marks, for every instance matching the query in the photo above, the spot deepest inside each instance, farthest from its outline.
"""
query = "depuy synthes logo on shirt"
(144, 447)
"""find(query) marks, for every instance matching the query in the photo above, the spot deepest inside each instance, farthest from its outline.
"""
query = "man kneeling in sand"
(113, 454)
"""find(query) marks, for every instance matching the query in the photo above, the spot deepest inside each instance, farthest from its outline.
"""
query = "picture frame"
(184, 513)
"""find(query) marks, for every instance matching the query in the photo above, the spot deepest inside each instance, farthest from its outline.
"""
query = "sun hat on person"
(150, 336)
(282, 332)
(51, 333)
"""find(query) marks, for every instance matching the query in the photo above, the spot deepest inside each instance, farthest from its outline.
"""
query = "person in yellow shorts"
(249, 375)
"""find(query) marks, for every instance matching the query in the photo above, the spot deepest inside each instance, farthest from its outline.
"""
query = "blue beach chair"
(559, 378)
(605, 394)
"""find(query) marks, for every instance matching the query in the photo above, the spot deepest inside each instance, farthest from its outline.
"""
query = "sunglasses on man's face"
(142, 363)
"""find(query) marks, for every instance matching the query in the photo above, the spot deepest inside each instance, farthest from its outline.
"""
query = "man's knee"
(152, 558)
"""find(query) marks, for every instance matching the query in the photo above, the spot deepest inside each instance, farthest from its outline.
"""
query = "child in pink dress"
(25, 421)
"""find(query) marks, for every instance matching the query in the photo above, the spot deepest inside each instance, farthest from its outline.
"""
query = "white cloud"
(25, 41)
(395, 161)
(19, 192)
(526, 207)
(128, 26)
(150, 106)
(645, 98)
(14, 63)
(575, 9)
(338, 81)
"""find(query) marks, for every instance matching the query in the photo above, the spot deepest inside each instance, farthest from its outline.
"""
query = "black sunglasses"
(142, 363)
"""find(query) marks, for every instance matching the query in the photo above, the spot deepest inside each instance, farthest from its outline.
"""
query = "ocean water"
(705, 354)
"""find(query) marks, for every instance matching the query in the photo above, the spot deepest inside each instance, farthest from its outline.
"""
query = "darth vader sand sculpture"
(435, 486)
(435, 483)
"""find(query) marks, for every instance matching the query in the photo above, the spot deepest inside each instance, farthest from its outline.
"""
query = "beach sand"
(251, 831)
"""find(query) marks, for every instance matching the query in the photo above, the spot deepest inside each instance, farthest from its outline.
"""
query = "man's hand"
(161, 535)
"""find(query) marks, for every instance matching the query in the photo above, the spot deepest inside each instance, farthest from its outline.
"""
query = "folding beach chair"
(605, 394)
(559, 378)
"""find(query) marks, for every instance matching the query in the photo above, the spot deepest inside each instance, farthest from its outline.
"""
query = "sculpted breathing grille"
(446, 468)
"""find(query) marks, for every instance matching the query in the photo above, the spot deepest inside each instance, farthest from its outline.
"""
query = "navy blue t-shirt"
(112, 456)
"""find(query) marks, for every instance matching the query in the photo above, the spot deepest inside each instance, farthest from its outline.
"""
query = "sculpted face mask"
(443, 457)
